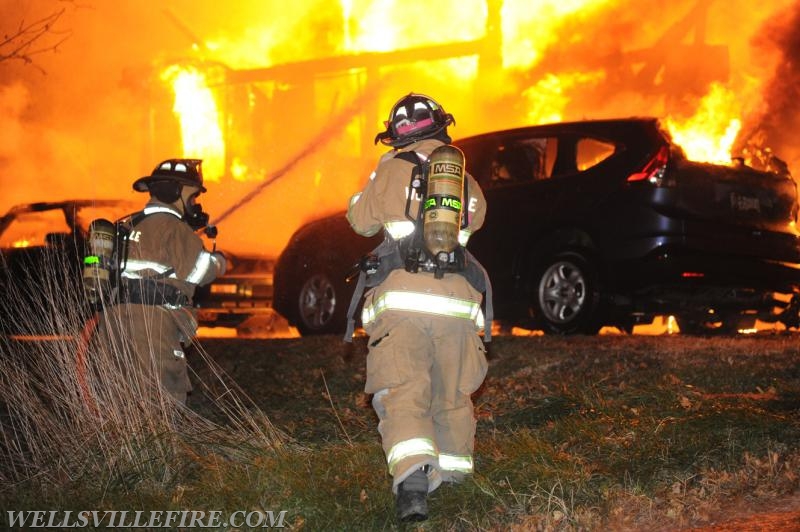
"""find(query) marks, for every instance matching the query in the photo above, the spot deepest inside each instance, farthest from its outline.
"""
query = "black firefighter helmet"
(414, 117)
(183, 172)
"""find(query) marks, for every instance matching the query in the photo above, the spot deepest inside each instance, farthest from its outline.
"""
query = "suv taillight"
(654, 170)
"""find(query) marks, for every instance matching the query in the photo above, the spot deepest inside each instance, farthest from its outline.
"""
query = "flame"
(547, 99)
(23, 243)
(533, 63)
(528, 33)
(238, 169)
(709, 134)
(196, 109)
(387, 25)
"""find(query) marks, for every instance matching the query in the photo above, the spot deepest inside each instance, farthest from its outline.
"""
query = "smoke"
(69, 110)
(13, 99)
(775, 125)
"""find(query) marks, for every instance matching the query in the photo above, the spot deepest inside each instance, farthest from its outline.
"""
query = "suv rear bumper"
(675, 278)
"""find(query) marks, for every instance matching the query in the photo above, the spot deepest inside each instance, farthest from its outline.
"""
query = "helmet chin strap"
(180, 204)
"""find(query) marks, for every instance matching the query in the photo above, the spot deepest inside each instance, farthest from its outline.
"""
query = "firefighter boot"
(412, 495)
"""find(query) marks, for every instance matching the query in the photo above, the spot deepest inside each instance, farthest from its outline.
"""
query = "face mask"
(195, 217)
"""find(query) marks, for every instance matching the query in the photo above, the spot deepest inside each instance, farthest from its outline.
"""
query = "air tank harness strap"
(153, 292)
(351, 311)
(478, 277)
(381, 262)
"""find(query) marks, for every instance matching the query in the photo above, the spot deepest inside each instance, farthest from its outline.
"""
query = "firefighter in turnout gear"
(160, 260)
(423, 317)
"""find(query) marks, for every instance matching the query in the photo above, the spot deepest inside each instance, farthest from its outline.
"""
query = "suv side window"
(523, 161)
(478, 156)
(30, 228)
(590, 152)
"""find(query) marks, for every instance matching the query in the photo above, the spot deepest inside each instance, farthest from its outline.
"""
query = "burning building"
(282, 101)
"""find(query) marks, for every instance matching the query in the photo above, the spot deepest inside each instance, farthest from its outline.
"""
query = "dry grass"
(581, 433)
(71, 414)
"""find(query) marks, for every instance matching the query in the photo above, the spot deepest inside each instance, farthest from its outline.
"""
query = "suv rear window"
(591, 152)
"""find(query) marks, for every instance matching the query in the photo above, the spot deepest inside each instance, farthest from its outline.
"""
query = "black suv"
(589, 224)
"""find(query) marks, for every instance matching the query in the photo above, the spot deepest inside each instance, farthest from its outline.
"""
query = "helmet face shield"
(414, 117)
(417, 118)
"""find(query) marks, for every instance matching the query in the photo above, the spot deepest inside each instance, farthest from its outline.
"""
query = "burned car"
(41, 259)
(42, 246)
(593, 223)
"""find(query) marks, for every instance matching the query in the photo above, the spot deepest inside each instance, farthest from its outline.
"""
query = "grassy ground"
(586, 433)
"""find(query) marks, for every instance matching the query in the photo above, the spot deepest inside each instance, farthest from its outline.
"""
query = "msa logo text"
(447, 168)
(447, 202)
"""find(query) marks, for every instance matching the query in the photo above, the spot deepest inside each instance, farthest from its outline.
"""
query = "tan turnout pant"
(145, 341)
(422, 369)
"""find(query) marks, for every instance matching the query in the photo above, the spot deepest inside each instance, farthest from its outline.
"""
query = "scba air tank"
(442, 210)
(98, 263)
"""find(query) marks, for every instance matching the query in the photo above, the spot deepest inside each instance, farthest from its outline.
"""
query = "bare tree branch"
(29, 40)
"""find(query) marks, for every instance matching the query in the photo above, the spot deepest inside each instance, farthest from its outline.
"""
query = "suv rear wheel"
(566, 295)
(321, 305)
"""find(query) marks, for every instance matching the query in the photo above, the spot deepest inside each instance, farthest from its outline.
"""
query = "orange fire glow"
(529, 33)
(388, 25)
(709, 134)
(547, 99)
(196, 108)
(706, 132)
(250, 102)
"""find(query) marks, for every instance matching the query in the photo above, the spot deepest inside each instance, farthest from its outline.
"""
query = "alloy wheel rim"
(317, 301)
(562, 292)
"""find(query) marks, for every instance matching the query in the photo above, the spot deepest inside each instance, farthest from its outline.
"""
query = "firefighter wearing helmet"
(422, 310)
(159, 261)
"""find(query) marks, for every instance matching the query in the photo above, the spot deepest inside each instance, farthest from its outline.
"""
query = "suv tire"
(565, 295)
(321, 304)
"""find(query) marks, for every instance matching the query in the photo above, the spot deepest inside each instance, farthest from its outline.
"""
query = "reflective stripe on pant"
(422, 370)
(434, 304)
(407, 448)
(455, 463)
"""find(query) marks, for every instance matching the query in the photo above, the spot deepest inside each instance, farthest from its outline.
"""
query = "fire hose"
(82, 362)
(335, 125)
